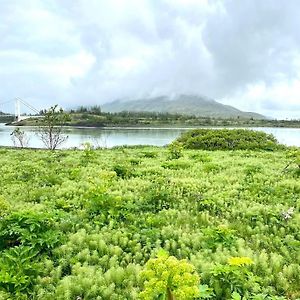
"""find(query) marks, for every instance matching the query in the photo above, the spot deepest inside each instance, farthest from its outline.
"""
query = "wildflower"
(240, 261)
(288, 214)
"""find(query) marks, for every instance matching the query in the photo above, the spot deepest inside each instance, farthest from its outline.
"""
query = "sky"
(244, 53)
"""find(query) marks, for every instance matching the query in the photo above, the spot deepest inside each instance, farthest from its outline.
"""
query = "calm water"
(110, 137)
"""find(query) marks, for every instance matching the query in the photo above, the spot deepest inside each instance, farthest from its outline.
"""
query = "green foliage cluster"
(293, 156)
(166, 277)
(175, 150)
(89, 224)
(4, 206)
(228, 139)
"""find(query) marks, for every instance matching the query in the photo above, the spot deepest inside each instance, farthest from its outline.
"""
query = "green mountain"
(182, 104)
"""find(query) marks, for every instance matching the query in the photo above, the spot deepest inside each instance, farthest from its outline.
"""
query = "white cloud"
(245, 53)
(278, 100)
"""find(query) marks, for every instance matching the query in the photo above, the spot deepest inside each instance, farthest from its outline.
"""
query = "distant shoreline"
(164, 125)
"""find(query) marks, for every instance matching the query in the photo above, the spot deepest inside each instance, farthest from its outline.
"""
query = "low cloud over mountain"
(242, 53)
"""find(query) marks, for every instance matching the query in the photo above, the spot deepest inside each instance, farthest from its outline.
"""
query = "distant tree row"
(198, 120)
(93, 110)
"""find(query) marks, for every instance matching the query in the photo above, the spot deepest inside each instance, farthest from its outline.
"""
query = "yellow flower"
(240, 261)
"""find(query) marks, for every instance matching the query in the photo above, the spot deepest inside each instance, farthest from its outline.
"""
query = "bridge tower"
(17, 110)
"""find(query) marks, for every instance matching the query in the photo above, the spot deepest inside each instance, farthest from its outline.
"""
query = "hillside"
(182, 104)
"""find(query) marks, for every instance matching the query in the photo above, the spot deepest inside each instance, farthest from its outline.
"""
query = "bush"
(228, 139)
(4, 206)
(165, 277)
(175, 150)
(293, 155)
(235, 276)
(27, 228)
(149, 154)
(122, 170)
(18, 271)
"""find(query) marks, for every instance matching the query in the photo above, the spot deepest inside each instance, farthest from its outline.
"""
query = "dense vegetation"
(228, 139)
(93, 117)
(92, 224)
(6, 119)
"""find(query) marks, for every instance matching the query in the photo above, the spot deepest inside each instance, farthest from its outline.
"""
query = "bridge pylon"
(17, 110)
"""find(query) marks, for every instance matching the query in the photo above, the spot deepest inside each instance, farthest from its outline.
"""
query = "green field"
(82, 224)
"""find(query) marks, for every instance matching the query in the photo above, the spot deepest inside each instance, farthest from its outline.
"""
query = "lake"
(110, 137)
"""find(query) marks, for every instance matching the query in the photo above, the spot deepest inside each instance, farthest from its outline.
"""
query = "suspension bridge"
(17, 110)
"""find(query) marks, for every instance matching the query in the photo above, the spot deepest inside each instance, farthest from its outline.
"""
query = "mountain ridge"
(182, 104)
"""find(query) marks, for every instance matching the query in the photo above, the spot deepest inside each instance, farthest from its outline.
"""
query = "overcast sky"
(244, 53)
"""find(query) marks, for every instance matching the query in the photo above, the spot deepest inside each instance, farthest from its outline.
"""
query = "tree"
(19, 138)
(95, 110)
(51, 127)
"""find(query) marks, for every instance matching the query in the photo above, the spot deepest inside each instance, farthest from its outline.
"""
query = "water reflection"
(110, 137)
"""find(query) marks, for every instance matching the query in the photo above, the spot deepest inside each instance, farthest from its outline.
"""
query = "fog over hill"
(74, 52)
(182, 104)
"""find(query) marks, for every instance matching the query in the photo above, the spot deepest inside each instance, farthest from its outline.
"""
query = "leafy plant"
(219, 235)
(176, 165)
(104, 207)
(175, 150)
(234, 278)
(122, 170)
(28, 228)
(88, 152)
(18, 271)
(4, 206)
(165, 277)
(149, 154)
(293, 155)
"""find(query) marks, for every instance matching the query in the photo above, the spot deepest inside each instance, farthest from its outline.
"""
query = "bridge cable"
(28, 105)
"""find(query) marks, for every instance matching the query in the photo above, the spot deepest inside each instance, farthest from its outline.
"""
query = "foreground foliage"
(90, 224)
(166, 278)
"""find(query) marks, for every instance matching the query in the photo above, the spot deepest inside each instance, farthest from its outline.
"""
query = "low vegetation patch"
(228, 139)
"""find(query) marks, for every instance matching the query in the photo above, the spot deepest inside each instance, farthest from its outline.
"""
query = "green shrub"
(103, 207)
(149, 154)
(123, 170)
(176, 165)
(219, 235)
(293, 157)
(18, 271)
(228, 139)
(175, 150)
(88, 152)
(4, 206)
(27, 228)
(167, 278)
(134, 161)
(202, 157)
(157, 197)
(235, 276)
